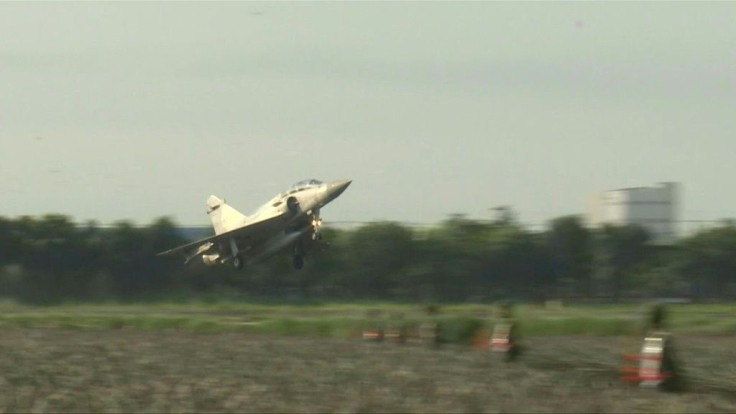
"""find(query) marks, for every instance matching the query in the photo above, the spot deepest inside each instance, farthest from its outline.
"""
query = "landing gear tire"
(238, 262)
(298, 262)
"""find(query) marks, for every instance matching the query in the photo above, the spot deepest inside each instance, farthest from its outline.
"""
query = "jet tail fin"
(224, 218)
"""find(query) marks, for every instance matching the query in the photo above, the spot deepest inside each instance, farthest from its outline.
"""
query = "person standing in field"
(430, 330)
(505, 337)
(670, 368)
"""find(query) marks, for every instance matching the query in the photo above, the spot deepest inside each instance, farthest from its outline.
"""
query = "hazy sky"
(114, 111)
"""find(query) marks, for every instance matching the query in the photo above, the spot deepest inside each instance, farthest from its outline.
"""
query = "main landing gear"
(298, 261)
(237, 258)
(238, 262)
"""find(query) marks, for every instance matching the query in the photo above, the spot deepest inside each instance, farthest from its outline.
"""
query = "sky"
(137, 110)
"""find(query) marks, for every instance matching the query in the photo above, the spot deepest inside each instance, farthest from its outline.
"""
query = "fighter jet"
(290, 220)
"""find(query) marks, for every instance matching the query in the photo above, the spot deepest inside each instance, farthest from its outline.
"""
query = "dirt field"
(51, 370)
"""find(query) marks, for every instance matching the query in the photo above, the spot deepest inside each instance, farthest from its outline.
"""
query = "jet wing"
(244, 237)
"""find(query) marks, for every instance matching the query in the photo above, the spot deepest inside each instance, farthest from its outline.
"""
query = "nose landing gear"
(316, 233)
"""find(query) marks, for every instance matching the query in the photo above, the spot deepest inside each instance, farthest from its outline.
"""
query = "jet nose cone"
(336, 188)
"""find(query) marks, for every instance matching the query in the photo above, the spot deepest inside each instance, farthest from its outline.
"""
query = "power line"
(351, 223)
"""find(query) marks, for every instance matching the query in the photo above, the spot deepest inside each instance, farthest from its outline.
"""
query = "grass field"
(345, 320)
(128, 370)
(240, 357)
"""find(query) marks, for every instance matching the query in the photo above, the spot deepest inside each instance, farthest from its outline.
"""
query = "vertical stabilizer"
(224, 218)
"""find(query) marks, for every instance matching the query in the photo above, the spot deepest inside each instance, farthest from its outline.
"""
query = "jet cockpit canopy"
(303, 185)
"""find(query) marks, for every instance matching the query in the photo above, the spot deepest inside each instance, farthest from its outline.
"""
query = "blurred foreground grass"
(458, 322)
(132, 370)
(246, 357)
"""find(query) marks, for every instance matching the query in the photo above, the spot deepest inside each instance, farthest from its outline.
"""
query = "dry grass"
(130, 370)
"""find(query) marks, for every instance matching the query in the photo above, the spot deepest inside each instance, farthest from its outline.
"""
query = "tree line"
(50, 259)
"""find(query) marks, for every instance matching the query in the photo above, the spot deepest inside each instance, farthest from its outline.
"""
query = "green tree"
(621, 250)
(708, 259)
(570, 247)
(54, 258)
(378, 256)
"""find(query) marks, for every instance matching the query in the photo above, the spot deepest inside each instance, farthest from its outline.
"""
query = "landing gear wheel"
(298, 262)
(238, 262)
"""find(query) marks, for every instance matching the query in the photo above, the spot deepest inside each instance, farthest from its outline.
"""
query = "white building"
(654, 208)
